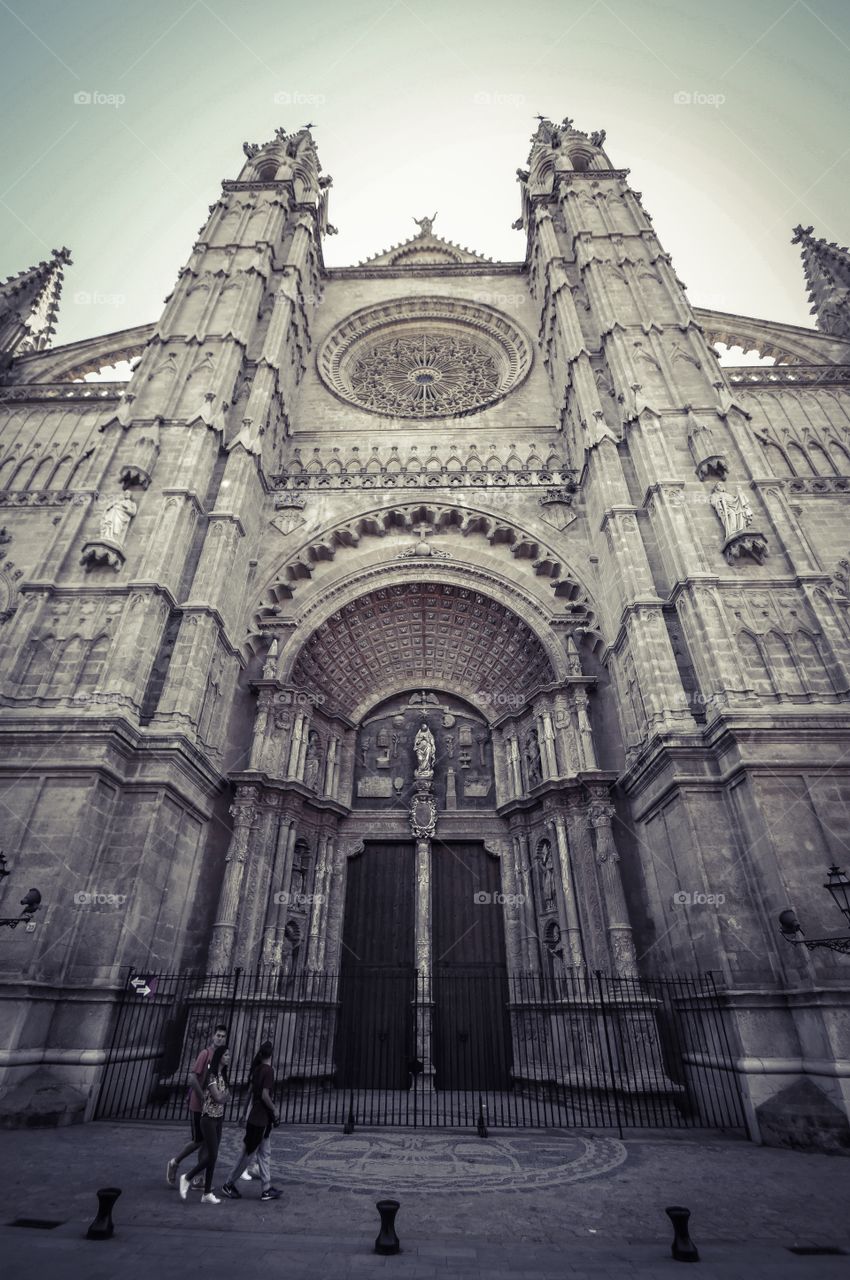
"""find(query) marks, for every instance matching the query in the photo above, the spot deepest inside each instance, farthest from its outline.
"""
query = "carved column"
(529, 915)
(276, 918)
(244, 811)
(574, 951)
(332, 939)
(319, 913)
(623, 954)
(584, 728)
(547, 744)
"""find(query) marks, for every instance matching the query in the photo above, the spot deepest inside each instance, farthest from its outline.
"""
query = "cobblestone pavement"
(557, 1203)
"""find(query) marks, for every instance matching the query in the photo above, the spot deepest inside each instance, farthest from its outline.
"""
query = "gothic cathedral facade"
(431, 580)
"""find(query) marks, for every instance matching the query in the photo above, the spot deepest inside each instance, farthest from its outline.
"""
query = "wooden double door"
(379, 989)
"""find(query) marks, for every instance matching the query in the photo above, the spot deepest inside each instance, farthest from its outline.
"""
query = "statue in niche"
(312, 762)
(115, 518)
(395, 742)
(365, 748)
(450, 744)
(425, 750)
(547, 875)
(532, 758)
(733, 510)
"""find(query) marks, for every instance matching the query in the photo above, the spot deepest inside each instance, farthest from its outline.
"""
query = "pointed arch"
(93, 664)
(781, 664)
(754, 663)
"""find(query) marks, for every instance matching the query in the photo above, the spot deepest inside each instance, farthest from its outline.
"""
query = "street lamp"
(838, 886)
(30, 903)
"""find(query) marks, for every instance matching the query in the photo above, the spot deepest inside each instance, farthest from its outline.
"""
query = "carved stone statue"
(532, 758)
(547, 875)
(733, 510)
(425, 750)
(425, 225)
(115, 519)
(312, 762)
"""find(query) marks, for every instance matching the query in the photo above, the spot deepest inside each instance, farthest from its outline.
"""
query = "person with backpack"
(216, 1093)
(262, 1117)
(197, 1078)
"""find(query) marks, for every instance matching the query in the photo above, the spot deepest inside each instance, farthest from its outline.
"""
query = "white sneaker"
(171, 1173)
(246, 1176)
(209, 1198)
(183, 1186)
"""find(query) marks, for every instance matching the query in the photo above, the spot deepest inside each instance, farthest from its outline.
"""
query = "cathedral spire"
(827, 269)
(29, 304)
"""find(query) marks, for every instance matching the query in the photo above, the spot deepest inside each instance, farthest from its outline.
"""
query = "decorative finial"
(425, 225)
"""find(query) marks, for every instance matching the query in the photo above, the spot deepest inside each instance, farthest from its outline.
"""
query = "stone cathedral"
(433, 612)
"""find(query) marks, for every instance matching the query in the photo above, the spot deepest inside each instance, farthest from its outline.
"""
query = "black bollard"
(102, 1227)
(684, 1249)
(387, 1241)
(481, 1123)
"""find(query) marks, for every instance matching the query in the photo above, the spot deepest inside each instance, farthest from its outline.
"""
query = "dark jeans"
(211, 1131)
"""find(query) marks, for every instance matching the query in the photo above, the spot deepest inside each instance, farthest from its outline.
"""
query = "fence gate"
(391, 1047)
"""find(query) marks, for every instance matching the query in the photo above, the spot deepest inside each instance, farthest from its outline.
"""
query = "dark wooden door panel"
(375, 1029)
(471, 1027)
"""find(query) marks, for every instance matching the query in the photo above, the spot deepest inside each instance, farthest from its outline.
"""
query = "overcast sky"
(730, 115)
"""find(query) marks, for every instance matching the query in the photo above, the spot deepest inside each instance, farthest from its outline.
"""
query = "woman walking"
(261, 1118)
(216, 1093)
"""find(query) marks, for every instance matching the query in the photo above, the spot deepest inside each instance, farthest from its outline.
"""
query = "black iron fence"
(457, 1049)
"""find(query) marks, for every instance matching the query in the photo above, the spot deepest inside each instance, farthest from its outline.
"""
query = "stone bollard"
(387, 1241)
(684, 1249)
(102, 1227)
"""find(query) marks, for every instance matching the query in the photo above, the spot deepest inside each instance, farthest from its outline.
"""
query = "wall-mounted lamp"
(838, 886)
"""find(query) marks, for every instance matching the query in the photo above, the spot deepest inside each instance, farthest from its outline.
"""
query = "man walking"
(197, 1081)
(262, 1116)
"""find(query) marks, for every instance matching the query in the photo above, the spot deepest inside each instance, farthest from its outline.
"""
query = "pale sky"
(419, 105)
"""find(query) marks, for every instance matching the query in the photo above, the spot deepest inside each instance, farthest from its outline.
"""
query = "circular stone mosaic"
(444, 1163)
(424, 358)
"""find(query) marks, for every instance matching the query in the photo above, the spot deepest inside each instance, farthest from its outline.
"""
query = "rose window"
(424, 358)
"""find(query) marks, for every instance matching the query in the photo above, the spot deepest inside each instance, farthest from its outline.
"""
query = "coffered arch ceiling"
(421, 633)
